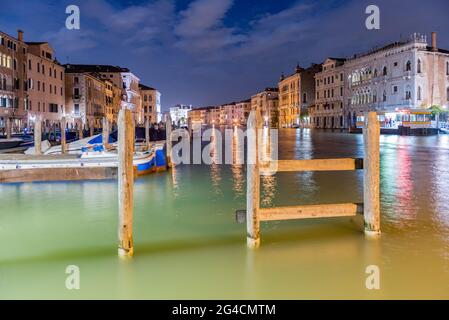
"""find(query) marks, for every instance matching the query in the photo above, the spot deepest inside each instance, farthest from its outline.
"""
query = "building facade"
(234, 114)
(123, 78)
(328, 110)
(296, 95)
(85, 99)
(179, 114)
(13, 83)
(267, 103)
(399, 81)
(151, 103)
(113, 103)
(46, 92)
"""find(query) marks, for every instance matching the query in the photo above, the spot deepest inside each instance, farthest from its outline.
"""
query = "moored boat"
(10, 143)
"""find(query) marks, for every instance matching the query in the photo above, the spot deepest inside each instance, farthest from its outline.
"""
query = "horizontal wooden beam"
(305, 212)
(344, 164)
(308, 212)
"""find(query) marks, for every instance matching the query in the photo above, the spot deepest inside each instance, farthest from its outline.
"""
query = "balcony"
(7, 88)
(76, 97)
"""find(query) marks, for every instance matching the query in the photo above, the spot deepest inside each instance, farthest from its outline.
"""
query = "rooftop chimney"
(20, 35)
(434, 42)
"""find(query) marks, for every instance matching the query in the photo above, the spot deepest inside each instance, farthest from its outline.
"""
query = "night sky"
(206, 52)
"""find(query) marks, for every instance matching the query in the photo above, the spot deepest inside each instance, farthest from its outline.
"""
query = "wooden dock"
(55, 168)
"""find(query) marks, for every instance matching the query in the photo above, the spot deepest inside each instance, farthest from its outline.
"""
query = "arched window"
(447, 68)
(447, 94)
(408, 93)
(304, 97)
(385, 71)
(375, 73)
(408, 66)
(419, 94)
(419, 66)
(384, 97)
(374, 96)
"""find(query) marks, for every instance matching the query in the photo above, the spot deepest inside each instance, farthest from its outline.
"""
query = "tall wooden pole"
(147, 131)
(105, 133)
(81, 130)
(125, 182)
(189, 126)
(54, 131)
(168, 141)
(8, 128)
(253, 182)
(371, 136)
(37, 136)
(63, 126)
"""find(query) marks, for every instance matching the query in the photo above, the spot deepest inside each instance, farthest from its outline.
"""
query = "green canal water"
(188, 246)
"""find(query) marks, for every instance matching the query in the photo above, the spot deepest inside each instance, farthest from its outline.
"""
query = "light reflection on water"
(188, 245)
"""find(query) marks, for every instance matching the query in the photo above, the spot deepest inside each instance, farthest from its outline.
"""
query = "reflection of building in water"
(238, 162)
(268, 190)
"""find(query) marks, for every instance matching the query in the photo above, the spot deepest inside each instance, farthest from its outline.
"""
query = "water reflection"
(176, 221)
(440, 170)
(176, 179)
(268, 190)
(237, 167)
(215, 167)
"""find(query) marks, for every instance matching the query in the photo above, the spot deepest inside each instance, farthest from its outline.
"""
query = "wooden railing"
(253, 214)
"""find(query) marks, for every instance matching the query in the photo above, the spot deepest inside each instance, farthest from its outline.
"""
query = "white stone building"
(327, 112)
(399, 81)
(179, 114)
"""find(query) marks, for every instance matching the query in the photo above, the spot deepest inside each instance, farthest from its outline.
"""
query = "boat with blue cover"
(91, 152)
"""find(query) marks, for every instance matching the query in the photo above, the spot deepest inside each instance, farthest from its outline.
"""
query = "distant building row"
(399, 81)
(34, 84)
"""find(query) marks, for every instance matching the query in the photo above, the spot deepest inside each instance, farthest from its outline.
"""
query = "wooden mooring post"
(8, 128)
(125, 182)
(62, 127)
(253, 214)
(80, 130)
(371, 198)
(253, 182)
(168, 139)
(105, 133)
(37, 136)
(147, 131)
(91, 129)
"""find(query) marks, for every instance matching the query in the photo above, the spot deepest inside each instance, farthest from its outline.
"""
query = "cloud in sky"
(213, 51)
